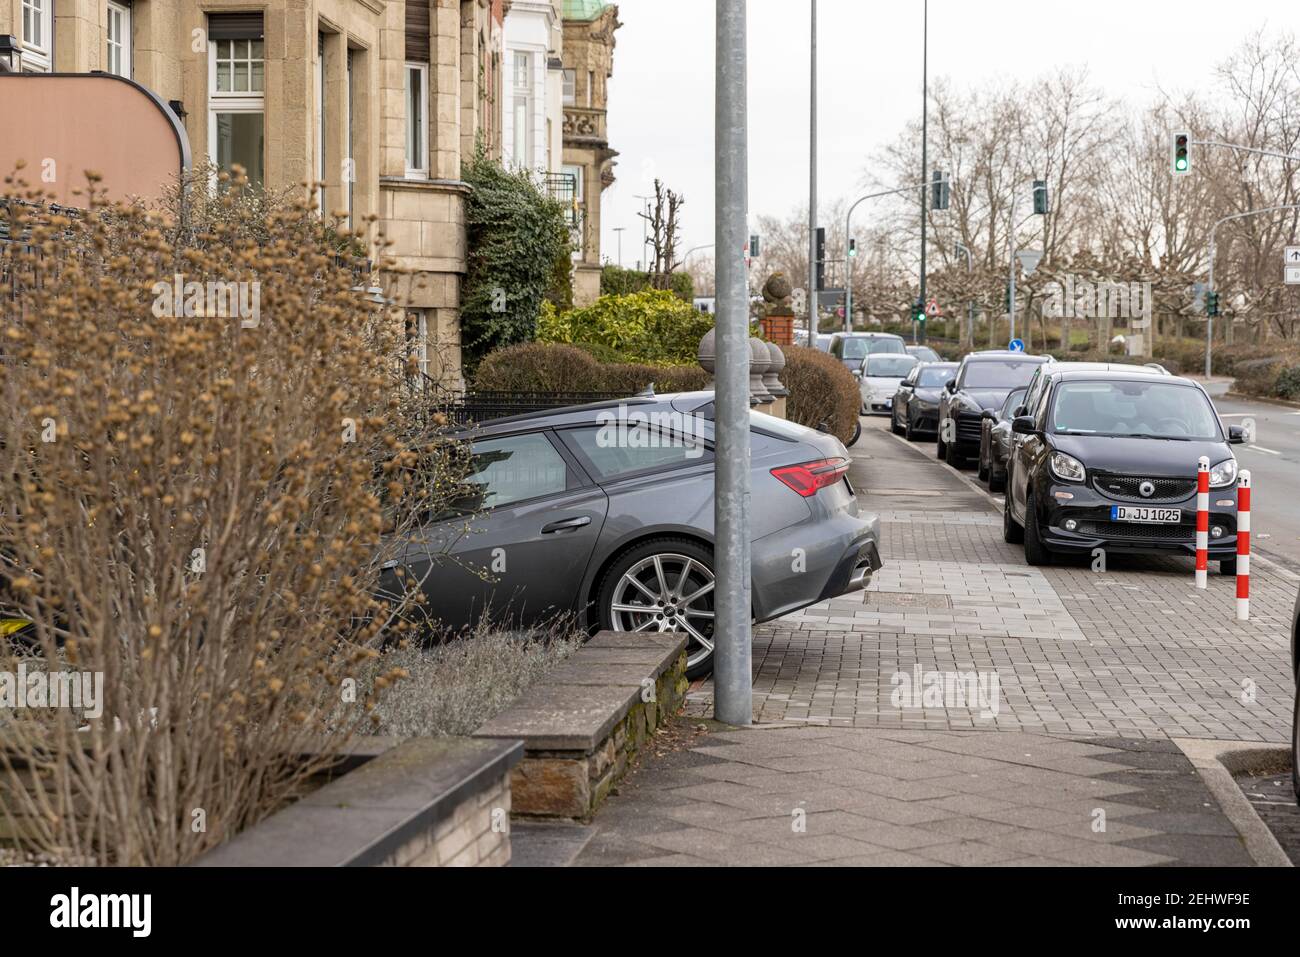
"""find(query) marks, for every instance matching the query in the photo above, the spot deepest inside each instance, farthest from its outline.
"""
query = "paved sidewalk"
(1095, 672)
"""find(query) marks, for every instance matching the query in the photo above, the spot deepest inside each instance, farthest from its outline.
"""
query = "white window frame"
(122, 43)
(570, 95)
(420, 170)
(37, 58)
(232, 102)
(523, 141)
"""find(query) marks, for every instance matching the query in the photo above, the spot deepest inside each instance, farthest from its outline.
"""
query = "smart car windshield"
(1145, 410)
(999, 374)
(889, 366)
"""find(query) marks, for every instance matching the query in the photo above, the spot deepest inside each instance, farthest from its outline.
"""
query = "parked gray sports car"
(606, 511)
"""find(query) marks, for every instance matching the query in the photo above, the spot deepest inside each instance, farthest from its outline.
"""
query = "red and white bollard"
(1243, 546)
(1202, 521)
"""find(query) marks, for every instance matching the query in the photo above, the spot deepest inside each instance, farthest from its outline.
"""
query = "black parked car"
(995, 441)
(982, 382)
(1108, 460)
(916, 403)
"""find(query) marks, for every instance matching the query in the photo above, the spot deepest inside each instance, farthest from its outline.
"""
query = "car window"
(933, 377)
(1014, 400)
(1161, 410)
(999, 374)
(511, 469)
(624, 449)
(891, 346)
(1039, 408)
(889, 366)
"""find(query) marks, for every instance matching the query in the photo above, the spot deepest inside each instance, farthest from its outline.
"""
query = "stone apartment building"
(379, 100)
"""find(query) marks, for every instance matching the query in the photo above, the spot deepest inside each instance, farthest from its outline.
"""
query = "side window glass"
(512, 469)
(624, 449)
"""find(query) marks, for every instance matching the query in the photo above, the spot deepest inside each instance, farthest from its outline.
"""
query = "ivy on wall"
(516, 235)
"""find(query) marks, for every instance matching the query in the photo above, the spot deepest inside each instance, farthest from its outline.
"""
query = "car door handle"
(566, 525)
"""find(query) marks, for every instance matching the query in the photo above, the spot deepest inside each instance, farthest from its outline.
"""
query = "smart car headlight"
(1066, 467)
(1223, 474)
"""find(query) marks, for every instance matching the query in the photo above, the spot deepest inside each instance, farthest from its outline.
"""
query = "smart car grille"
(1127, 488)
(1118, 530)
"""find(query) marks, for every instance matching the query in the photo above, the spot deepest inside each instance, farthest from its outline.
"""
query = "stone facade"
(589, 27)
(333, 70)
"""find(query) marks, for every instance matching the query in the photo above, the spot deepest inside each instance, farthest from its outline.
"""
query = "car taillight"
(807, 479)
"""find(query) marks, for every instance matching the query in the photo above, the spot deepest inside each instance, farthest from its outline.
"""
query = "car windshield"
(861, 348)
(934, 377)
(999, 374)
(1145, 410)
(890, 367)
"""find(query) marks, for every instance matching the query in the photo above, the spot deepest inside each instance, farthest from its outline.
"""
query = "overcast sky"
(869, 85)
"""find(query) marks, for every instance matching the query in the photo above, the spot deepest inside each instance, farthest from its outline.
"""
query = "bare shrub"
(454, 688)
(197, 503)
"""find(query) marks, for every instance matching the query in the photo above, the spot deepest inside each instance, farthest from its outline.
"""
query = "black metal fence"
(478, 407)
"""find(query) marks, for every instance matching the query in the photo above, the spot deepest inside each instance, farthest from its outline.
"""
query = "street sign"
(1293, 275)
(1292, 256)
(932, 309)
(1016, 345)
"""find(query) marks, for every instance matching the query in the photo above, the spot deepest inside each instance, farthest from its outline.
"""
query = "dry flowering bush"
(209, 447)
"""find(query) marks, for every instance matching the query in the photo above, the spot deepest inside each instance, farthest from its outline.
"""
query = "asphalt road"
(1273, 458)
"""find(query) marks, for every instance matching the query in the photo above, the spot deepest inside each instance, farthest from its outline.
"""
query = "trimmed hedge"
(553, 367)
(653, 326)
(822, 390)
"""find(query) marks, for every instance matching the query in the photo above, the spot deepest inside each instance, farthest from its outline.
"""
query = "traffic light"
(821, 258)
(1042, 204)
(753, 245)
(853, 248)
(1182, 154)
(938, 190)
(918, 311)
(1211, 303)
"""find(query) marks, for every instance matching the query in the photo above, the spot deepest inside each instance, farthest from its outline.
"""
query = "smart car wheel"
(664, 585)
(1036, 552)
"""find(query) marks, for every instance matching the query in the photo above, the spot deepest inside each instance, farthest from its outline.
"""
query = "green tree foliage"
(652, 326)
(516, 236)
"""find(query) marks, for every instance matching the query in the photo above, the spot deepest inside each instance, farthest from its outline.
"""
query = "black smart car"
(982, 382)
(1108, 460)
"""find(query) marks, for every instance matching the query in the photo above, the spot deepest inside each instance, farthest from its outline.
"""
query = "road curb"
(1243, 397)
(1208, 759)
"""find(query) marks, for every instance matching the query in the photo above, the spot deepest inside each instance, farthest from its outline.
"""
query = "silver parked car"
(606, 511)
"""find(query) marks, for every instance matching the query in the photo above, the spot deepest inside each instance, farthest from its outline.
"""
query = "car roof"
(988, 355)
(866, 335)
(1147, 368)
(572, 414)
(1129, 374)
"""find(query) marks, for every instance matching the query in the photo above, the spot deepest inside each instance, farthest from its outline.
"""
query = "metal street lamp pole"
(619, 231)
(1209, 320)
(925, 110)
(812, 184)
(970, 303)
(732, 654)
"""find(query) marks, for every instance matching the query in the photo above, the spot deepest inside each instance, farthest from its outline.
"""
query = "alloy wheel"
(667, 592)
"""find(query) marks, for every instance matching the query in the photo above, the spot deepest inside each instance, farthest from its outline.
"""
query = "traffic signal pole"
(848, 226)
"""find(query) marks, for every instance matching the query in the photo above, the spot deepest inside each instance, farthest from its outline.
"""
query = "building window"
(417, 120)
(570, 87)
(319, 82)
(118, 35)
(237, 105)
(522, 110)
(591, 86)
(38, 34)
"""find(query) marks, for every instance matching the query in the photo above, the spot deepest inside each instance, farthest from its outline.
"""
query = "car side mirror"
(1236, 435)
(950, 385)
(1021, 410)
(1023, 425)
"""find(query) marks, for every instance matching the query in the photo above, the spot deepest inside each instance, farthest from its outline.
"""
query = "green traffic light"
(1182, 163)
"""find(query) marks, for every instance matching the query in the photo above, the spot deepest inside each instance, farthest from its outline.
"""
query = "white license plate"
(1143, 513)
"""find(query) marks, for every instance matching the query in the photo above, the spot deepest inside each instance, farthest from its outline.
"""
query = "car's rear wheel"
(1012, 533)
(665, 584)
(857, 434)
(1036, 552)
(997, 480)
